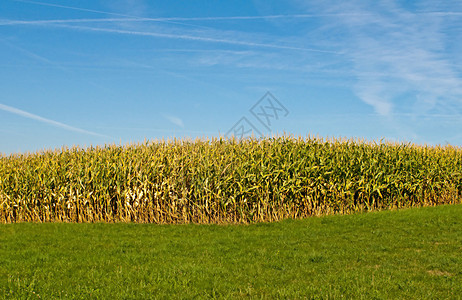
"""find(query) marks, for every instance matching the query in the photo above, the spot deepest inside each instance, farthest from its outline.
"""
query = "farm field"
(400, 254)
(225, 180)
(230, 149)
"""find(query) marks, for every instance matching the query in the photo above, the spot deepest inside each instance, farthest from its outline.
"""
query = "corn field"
(225, 180)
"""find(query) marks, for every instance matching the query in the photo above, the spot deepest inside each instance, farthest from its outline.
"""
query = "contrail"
(104, 12)
(129, 18)
(196, 38)
(191, 18)
(31, 54)
(46, 60)
(7, 22)
(73, 8)
(61, 23)
(28, 115)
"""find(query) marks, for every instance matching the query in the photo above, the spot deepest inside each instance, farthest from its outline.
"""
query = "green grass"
(409, 254)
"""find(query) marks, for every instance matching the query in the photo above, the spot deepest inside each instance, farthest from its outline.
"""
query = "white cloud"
(396, 51)
(174, 120)
(372, 94)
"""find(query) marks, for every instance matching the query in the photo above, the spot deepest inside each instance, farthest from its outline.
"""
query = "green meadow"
(400, 254)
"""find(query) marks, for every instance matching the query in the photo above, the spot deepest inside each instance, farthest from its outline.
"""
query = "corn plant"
(225, 180)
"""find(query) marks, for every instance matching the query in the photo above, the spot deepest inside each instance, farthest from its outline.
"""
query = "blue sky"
(96, 72)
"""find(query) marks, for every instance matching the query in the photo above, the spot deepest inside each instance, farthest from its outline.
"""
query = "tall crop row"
(225, 180)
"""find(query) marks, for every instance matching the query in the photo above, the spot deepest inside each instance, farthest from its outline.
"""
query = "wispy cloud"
(29, 115)
(395, 51)
(174, 120)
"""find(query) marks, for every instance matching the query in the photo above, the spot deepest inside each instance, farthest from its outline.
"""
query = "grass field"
(408, 254)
